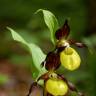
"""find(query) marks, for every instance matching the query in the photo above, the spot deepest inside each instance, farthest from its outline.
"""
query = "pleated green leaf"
(37, 55)
(51, 22)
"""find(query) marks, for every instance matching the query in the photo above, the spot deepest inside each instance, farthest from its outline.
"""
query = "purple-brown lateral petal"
(71, 41)
(78, 44)
(72, 87)
(62, 78)
(63, 32)
(52, 61)
(34, 86)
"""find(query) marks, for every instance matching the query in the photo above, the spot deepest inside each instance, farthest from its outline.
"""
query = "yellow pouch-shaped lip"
(70, 59)
(56, 87)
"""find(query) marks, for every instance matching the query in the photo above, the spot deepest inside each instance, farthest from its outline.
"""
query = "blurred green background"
(15, 61)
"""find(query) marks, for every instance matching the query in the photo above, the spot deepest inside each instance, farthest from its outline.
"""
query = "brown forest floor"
(19, 79)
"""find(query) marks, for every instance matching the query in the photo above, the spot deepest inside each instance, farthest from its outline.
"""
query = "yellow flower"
(56, 87)
(70, 59)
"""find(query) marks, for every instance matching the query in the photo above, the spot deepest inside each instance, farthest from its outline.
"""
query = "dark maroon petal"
(72, 87)
(71, 41)
(63, 32)
(60, 49)
(78, 44)
(33, 87)
(62, 77)
(52, 61)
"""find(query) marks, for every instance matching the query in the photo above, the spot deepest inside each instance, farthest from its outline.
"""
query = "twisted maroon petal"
(78, 44)
(62, 78)
(63, 32)
(71, 86)
(33, 86)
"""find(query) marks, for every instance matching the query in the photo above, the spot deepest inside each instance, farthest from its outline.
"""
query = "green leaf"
(37, 55)
(51, 22)
(16, 36)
